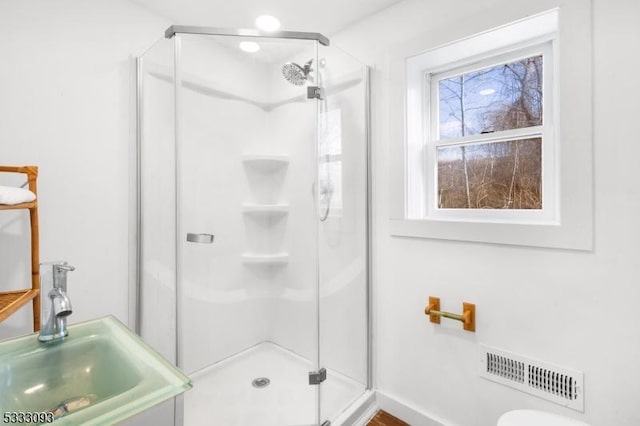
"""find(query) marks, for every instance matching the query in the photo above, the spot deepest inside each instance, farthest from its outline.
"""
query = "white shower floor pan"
(223, 394)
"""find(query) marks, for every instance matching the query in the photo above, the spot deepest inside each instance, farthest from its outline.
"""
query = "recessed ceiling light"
(487, 92)
(267, 23)
(249, 46)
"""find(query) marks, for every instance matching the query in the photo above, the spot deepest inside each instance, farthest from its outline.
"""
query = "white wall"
(574, 309)
(67, 87)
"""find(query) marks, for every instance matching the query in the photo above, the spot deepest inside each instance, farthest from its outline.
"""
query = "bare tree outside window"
(495, 175)
(499, 175)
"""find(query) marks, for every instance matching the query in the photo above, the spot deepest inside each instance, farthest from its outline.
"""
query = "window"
(497, 131)
(330, 163)
(489, 137)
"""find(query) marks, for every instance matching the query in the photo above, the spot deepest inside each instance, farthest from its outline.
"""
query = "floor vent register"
(557, 384)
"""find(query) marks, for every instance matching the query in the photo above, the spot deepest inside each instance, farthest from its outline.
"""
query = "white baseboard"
(406, 412)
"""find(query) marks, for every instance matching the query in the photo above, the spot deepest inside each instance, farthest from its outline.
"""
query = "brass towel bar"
(468, 317)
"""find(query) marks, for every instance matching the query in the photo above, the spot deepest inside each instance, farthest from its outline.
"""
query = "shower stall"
(253, 225)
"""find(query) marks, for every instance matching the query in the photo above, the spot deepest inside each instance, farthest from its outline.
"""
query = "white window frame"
(429, 208)
(572, 224)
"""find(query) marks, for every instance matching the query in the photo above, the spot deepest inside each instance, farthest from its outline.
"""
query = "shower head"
(295, 74)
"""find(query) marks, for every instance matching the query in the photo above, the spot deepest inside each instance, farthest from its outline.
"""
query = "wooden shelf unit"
(11, 301)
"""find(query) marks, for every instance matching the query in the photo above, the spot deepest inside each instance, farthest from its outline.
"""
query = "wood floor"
(382, 418)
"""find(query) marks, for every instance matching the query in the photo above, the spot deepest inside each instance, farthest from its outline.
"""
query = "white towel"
(10, 195)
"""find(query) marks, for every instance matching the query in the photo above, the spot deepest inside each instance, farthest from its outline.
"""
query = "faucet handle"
(60, 267)
(60, 274)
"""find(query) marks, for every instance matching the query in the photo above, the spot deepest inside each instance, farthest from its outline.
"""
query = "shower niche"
(266, 211)
(232, 145)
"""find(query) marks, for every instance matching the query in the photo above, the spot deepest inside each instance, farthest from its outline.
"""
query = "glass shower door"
(343, 233)
(247, 232)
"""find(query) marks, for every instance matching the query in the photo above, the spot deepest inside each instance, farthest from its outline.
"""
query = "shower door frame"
(296, 35)
(135, 287)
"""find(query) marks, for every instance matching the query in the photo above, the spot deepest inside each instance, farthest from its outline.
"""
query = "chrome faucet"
(55, 305)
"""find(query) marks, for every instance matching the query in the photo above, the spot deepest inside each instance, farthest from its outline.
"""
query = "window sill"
(578, 236)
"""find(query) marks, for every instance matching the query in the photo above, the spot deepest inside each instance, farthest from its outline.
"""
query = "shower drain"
(260, 382)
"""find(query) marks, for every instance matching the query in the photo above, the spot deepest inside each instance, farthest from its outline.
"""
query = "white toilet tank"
(536, 418)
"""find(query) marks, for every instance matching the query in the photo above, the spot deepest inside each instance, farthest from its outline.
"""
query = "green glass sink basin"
(102, 373)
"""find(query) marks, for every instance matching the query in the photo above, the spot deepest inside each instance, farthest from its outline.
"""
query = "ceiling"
(326, 16)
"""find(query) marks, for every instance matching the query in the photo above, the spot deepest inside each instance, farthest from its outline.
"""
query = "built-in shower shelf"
(265, 259)
(266, 163)
(266, 210)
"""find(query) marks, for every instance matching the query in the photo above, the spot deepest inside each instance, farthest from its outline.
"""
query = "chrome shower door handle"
(200, 238)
